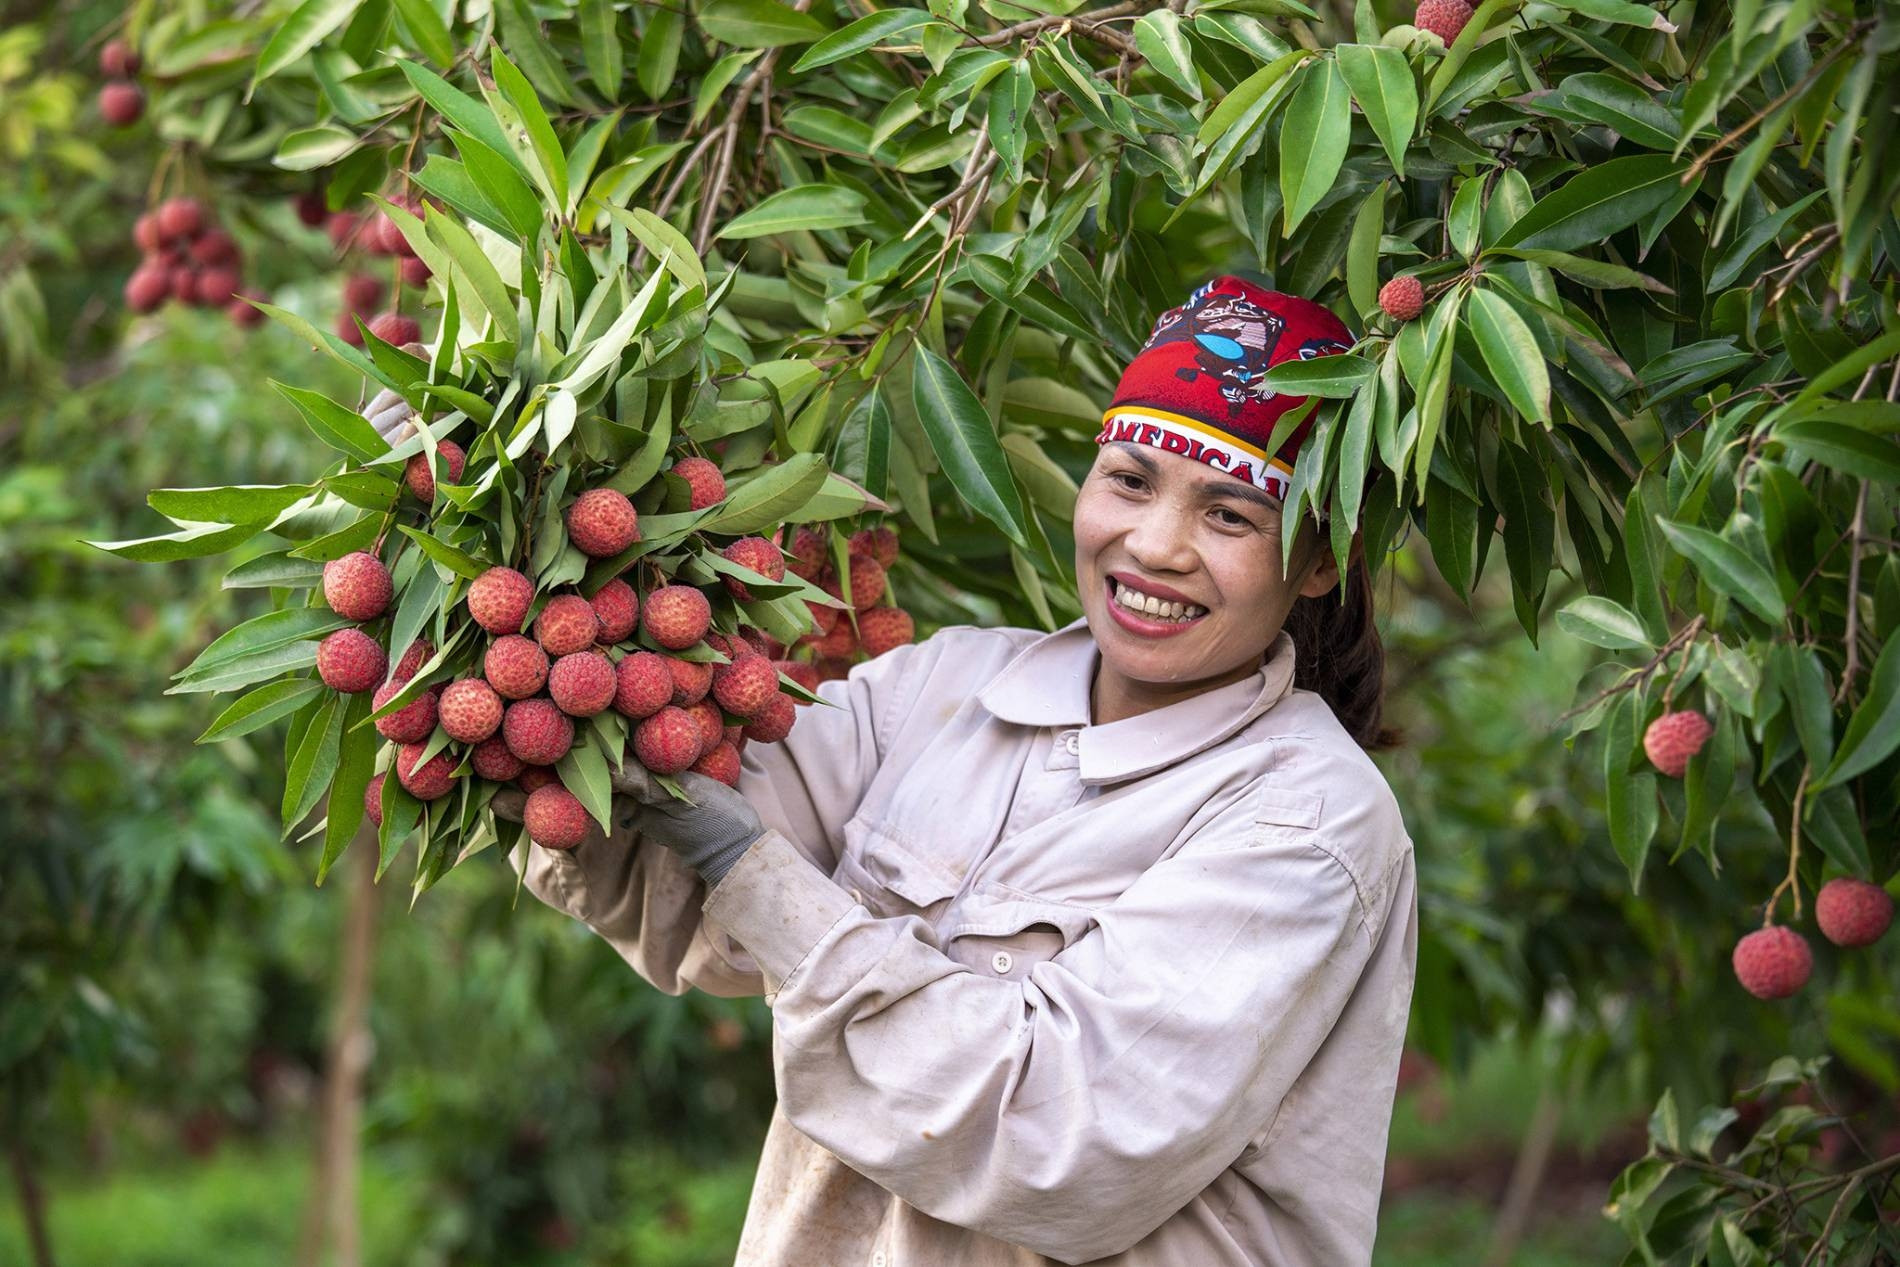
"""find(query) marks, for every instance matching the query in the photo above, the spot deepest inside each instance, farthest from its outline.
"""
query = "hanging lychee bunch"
(864, 624)
(188, 260)
(121, 101)
(1774, 961)
(363, 293)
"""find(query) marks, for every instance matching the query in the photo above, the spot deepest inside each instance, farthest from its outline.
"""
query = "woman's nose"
(1161, 540)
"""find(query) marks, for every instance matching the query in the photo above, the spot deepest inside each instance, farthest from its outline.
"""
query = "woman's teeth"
(1155, 608)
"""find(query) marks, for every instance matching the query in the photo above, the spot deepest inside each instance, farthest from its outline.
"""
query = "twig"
(1858, 529)
(1092, 24)
(1639, 676)
(1794, 855)
(1814, 72)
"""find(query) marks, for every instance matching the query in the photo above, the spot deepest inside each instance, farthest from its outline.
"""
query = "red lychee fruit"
(421, 478)
(394, 328)
(1675, 737)
(704, 478)
(311, 208)
(413, 722)
(731, 646)
(643, 684)
(244, 314)
(492, 760)
(470, 709)
(712, 726)
(345, 329)
(145, 233)
(1402, 298)
(802, 672)
(362, 293)
(148, 287)
(691, 680)
(883, 628)
(879, 542)
(601, 523)
(758, 554)
(1852, 912)
(667, 742)
(536, 776)
(499, 598)
(213, 248)
(537, 731)
(555, 818)
(744, 687)
(833, 668)
(721, 762)
(515, 666)
(350, 661)
(839, 644)
(823, 619)
(118, 60)
(810, 547)
(566, 625)
(121, 104)
(357, 586)
(373, 800)
(763, 643)
(618, 609)
(582, 683)
(773, 722)
(216, 286)
(341, 226)
(1443, 18)
(414, 656)
(1772, 962)
(867, 582)
(425, 780)
(676, 616)
(180, 219)
(414, 271)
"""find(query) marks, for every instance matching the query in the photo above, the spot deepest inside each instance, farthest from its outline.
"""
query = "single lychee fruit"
(1443, 18)
(148, 287)
(773, 722)
(346, 330)
(867, 582)
(429, 780)
(357, 586)
(1402, 298)
(373, 800)
(350, 661)
(555, 817)
(121, 104)
(802, 672)
(311, 208)
(361, 292)
(470, 709)
(839, 644)
(601, 523)
(499, 598)
(146, 235)
(744, 687)
(536, 776)
(414, 656)
(708, 485)
(180, 219)
(1773, 962)
(515, 666)
(413, 722)
(341, 226)
(1852, 912)
(243, 313)
(393, 327)
(214, 248)
(833, 668)
(758, 554)
(810, 547)
(566, 625)
(118, 60)
(823, 619)
(1675, 737)
(883, 628)
(691, 680)
(676, 616)
(712, 726)
(421, 478)
(618, 608)
(721, 762)
(643, 684)
(731, 646)
(216, 286)
(414, 271)
(879, 542)
(582, 683)
(492, 760)
(668, 741)
(537, 731)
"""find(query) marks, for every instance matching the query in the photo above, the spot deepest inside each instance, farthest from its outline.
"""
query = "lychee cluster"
(1775, 962)
(121, 101)
(357, 587)
(363, 294)
(189, 260)
(863, 625)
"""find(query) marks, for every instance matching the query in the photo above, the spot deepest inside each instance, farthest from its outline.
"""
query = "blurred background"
(179, 1018)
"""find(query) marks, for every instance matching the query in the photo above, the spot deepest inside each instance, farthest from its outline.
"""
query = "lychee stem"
(1790, 881)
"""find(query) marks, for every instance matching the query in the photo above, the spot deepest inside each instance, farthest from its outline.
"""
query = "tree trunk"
(331, 1215)
(1527, 1176)
(32, 1203)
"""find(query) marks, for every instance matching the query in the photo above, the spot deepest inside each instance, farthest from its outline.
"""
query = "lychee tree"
(1623, 276)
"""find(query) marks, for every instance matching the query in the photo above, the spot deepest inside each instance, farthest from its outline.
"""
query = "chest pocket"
(890, 878)
(999, 932)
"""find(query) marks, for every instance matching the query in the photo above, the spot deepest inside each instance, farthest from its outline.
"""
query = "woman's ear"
(1323, 570)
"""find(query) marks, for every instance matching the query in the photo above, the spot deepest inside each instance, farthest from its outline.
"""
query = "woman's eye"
(1232, 518)
(1128, 480)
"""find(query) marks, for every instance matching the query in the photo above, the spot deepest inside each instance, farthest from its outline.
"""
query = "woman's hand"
(388, 412)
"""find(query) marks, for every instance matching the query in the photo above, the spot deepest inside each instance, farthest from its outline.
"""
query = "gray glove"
(388, 412)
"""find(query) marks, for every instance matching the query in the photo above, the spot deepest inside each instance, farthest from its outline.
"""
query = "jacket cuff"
(776, 905)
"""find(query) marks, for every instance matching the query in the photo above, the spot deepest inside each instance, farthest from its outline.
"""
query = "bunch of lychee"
(187, 260)
(363, 294)
(865, 626)
(1774, 962)
(121, 101)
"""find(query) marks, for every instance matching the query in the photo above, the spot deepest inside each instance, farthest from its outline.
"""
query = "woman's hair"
(1337, 653)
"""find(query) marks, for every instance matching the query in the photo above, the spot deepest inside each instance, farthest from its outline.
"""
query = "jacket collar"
(1047, 685)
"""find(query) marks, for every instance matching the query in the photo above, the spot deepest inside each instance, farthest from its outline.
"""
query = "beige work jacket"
(1047, 991)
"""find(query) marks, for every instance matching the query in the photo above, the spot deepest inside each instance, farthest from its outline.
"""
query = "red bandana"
(1194, 388)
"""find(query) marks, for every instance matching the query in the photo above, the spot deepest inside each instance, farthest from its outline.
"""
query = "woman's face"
(1178, 567)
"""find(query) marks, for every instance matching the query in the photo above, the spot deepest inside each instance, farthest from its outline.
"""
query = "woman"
(1086, 946)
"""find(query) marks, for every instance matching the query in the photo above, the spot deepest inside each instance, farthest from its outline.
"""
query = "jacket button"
(877, 1259)
(1002, 962)
(856, 896)
(1072, 743)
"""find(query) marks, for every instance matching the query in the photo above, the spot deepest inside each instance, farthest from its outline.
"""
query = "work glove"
(388, 412)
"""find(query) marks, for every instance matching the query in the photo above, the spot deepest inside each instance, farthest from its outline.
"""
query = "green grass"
(1445, 1230)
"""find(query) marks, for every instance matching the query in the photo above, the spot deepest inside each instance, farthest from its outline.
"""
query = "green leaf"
(1621, 105)
(245, 670)
(802, 207)
(1629, 798)
(466, 113)
(1159, 38)
(502, 184)
(664, 242)
(1873, 732)
(1844, 448)
(766, 499)
(356, 761)
(600, 45)
(551, 159)
(864, 443)
(965, 442)
(585, 773)
(1604, 622)
(309, 768)
(1728, 568)
(1465, 215)
(867, 31)
(716, 81)
(1313, 140)
(194, 542)
(307, 24)
(1334, 377)
(428, 30)
(1511, 353)
(263, 633)
(311, 148)
(236, 504)
(1235, 106)
(1597, 202)
(274, 570)
(1382, 84)
(1012, 95)
(261, 707)
(758, 24)
(1752, 239)
(477, 269)
(442, 552)
(342, 429)
(1598, 274)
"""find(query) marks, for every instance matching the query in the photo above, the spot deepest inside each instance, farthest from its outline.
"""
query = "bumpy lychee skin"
(676, 616)
(643, 684)
(555, 817)
(420, 478)
(148, 287)
(832, 668)
(373, 800)
(393, 327)
(499, 599)
(691, 680)
(1402, 298)
(1443, 18)
(537, 731)
(492, 760)
(515, 666)
(414, 271)
(357, 586)
(704, 478)
(582, 683)
(566, 625)
(823, 619)
(180, 219)
(721, 762)
(731, 646)
(1852, 913)
(839, 644)
(712, 725)
(121, 104)
(118, 60)
(883, 628)
(1773, 962)
(774, 721)
(745, 686)
(879, 542)
(1675, 737)
(810, 547)
(802, 672)
(425, 780)
(601, 523)
(758, 554)
(361, 292)
(413, 658)
(618, 608)
(470, 710)
(668, 741)
(536, 776)
(411, 723)
(350, 661)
